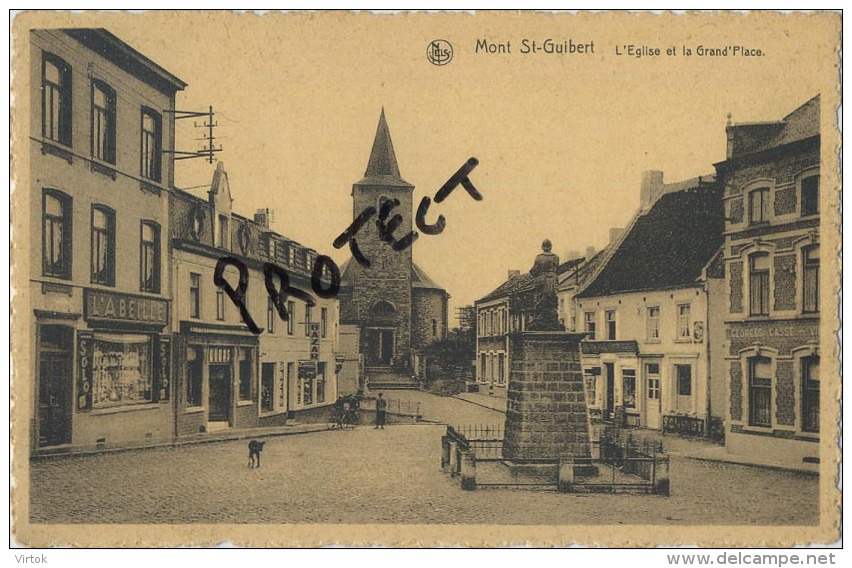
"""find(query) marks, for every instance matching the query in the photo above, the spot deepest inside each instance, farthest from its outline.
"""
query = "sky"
(561, 140)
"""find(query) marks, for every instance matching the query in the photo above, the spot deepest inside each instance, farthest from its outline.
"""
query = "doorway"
(653, 403)
(609, 370)
(55, 373)
(220, 394)
(380, 346)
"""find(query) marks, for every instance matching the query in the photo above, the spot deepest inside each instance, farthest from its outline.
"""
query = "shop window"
(267, 387)
(103, 122)
(151, 145)
(589, 324)
(246, 367)
(121, 370)
(609, 317)
(220, 304)
(149, 252)
(320, 383)
(810, 279)
(758, 206)
(759, 284)
(194, 295)
(652, 323)
(308, 391)
(760, 391)
(194, 375)
(323, 322)
(810, 394)
(683, 374)
(103, 245)
(628, 387)
(652, 374)
(684, 321)
(810, 196)
(56, 234)
(56, 100)
(271, 314)
(291, 312)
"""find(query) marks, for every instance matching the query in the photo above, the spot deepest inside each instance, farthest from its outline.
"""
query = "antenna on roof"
(206, 151)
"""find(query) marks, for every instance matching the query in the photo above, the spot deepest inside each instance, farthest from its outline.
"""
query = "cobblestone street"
(384, 476)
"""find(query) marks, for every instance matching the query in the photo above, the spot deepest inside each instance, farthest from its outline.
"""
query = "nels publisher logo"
(439, 52)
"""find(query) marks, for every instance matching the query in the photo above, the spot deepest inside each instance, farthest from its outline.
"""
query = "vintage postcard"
(425, 279)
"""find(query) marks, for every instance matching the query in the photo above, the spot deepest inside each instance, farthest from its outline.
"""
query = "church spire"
(382, 158)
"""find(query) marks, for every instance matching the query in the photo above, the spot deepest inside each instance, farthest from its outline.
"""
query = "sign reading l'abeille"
(102, 305)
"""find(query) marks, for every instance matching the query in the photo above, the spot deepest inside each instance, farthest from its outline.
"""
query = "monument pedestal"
(546, 417)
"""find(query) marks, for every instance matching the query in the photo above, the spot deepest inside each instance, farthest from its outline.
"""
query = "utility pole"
(209, 149)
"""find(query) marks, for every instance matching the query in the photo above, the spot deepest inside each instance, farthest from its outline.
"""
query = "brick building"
(226, 375)
(391, 309)
(99, 135)
(647, 311)
(772, 256)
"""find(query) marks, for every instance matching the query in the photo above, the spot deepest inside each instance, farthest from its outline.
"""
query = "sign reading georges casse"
(113, 306)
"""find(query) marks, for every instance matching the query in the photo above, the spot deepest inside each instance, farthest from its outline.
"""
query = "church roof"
(419, 279)
(382, 169)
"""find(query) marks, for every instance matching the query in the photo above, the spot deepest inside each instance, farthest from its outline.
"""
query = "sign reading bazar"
(105, 306)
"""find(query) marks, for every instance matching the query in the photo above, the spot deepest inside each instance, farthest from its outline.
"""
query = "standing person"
(381, 412)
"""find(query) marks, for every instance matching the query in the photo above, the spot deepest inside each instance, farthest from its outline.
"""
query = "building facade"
(101, 175)
(396, 308)
(646, 312)
(228, 376)
(771, 179)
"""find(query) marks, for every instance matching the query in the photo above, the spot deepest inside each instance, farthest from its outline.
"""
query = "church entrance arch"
(381, 334)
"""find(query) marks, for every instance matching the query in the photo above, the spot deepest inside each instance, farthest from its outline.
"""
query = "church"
(389, 310)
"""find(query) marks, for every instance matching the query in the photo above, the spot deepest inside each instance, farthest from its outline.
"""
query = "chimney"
(651, 187)
(261, 217)
(614, 234)
(590, 252)
(513, 273)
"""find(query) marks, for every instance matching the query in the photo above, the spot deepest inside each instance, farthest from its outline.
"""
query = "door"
(386, 349)
(609, 369)
(653, 394)
(220, 393)
(373, 347)
(55, 374)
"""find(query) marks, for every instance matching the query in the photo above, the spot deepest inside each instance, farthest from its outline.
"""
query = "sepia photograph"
(425, 279)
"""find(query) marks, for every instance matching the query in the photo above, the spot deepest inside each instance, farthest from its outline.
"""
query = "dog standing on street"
(255, 448)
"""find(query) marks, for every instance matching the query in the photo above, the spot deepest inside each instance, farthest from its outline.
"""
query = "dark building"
(391, 308)
(771, 180)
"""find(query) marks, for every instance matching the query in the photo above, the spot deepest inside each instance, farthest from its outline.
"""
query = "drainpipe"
(709, 416)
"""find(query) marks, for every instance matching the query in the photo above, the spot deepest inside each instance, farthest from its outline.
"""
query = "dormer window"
(224, 233)
(758, 206)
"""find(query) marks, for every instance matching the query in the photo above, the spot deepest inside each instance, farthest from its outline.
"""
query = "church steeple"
(382, 167)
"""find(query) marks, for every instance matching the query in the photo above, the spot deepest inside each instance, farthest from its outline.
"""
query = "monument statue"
(545, 315)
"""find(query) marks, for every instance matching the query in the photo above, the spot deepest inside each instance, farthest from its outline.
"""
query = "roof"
(382, 168)
(667, 246)
(748, 138)
(419, 278)
(525, 282)
(121, 54)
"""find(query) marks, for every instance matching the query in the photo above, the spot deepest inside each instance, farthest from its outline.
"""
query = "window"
(652, 374)
(759, 284)
(220, 304)
(121, 370)
(103, 245)
(320, 382)
(291, 313)
(683, 374)
(291, 255)
(194, 295)
(308, 310)
(501, 369)
(810, 394)
(573, 323)
(482, 376)
(684, 321)
(323, 322)
(224, 233)
(589, 323)
(270, 315)
(267, 387)
(246, 367)
(758, 206)
(609, 316)
(151, 145)
(194, 371)
(591, 386)
(56, 234)
(628, 387)
(103, 122)
(810, 279)
(810, 196)
(434, 327)
(150, 257)
(652, 324)
(56, 100)
(760, 392)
